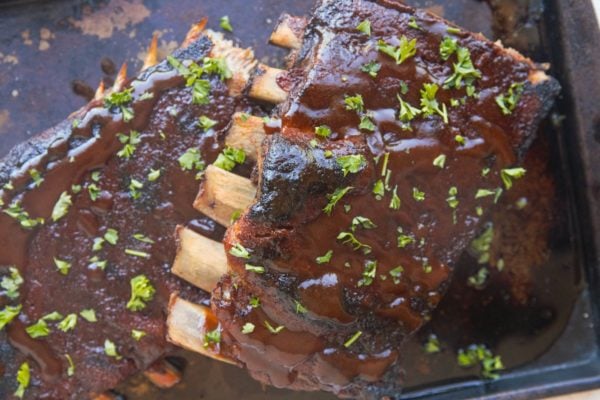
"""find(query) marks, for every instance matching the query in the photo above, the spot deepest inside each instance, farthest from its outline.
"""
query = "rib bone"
(188, 323)
(247, 133)
(222, 194)
(265, 86)
(152, 56)
(288, 32)
(199, 260)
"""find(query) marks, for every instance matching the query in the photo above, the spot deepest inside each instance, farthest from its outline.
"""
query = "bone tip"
(121, 78)
(99, 92)
(152, 56)
(195, 31)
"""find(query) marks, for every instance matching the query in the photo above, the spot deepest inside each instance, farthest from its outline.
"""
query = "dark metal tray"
(51, 50)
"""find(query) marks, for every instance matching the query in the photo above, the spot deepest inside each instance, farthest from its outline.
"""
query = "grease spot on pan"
(114, 16)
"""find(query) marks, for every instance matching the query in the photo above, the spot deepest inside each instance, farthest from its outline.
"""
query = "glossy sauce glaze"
(86, 154)
(387, 273)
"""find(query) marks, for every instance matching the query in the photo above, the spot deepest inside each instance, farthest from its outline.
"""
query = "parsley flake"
(351, 164)
(364, 27)
(372, 68)
(62, 266)
(8, 314)
(324, 259)
(142, 292)
(353, 339)
(273, 330)
(406, 49)
(248, 328)
(509, 101)
(229, 157)
(237, 250)
(61, 208)
(12, 283)
(225, 24)
(334, 198)
(23, 379)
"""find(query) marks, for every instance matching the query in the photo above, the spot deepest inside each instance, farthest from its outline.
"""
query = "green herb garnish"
(334, 198)
(142, 292)
(406, 49)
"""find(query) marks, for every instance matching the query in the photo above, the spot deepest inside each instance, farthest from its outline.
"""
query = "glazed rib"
(337, 323)
(96, 151)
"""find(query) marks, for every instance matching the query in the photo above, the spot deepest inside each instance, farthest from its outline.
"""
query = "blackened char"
(338, 324)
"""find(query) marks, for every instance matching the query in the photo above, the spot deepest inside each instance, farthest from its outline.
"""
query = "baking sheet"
(54, 52)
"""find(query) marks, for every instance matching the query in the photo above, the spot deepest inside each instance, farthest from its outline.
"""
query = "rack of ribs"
(398, 135)
(88, 211)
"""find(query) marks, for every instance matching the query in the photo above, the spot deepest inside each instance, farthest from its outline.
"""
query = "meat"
(111, 183)
(400, 134)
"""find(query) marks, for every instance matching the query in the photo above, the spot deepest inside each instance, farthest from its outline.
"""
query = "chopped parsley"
(396, 274)
(110, 349)
(432, 345)
(508, 174)
(229, 157)
(137, 335)
(355, 103)
(379, 189)
(478, 280)
(258, 269)
(452, 200)
(323, 131)
(191, 160)
(395, 201)
(137, 253)
(351, 164)
(460, 139)
(225, 24)
(68, 323)
(300, 309)
(89, 315)
(366, 123)
(39, 329)
(404, 240)
(406, 49)
(16, 211)
(36, 177)
(324, 259)
(153, 175)
(481, 245)
(364, 27)
(8, 314)
(486, 193)
(334, 198)
(212, 337)
(490, 364)
(206, 123)
(71, 367)
(129, 143)
(463, 70)
(351, 240)
(237, 250)
(23, 379)
(111, 236)
(273, 330)
(372, 68)
(448, 47)
(407, 112)
(142, 292)
(412, 22)
(248, 328)
(369, 273)
(12, 283)
(362, 222)
(121, 100)
(353, 339)
(61, 208)
(418, 195)
(429, 104)
(440, 161)
(94, 191)
(193, 76)
(142, 238)
(509, 101)
(62, 266)
(135, 188)
(254, 302)
(217, 66)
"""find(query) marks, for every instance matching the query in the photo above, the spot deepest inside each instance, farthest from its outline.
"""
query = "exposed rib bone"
(199, 260)
(163, 374)
(288, 32)
(121, 79)
(187, 324)
(265, 86)
(247, 132)
(240, 61)
(222, 194)
(194, 32)
(152, 56)
(100, 91)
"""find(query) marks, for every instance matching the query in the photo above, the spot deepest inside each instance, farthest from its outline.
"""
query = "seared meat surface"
(400, 134)
(111, 184)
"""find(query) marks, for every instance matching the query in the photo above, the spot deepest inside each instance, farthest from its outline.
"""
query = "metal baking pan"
(52, 53)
